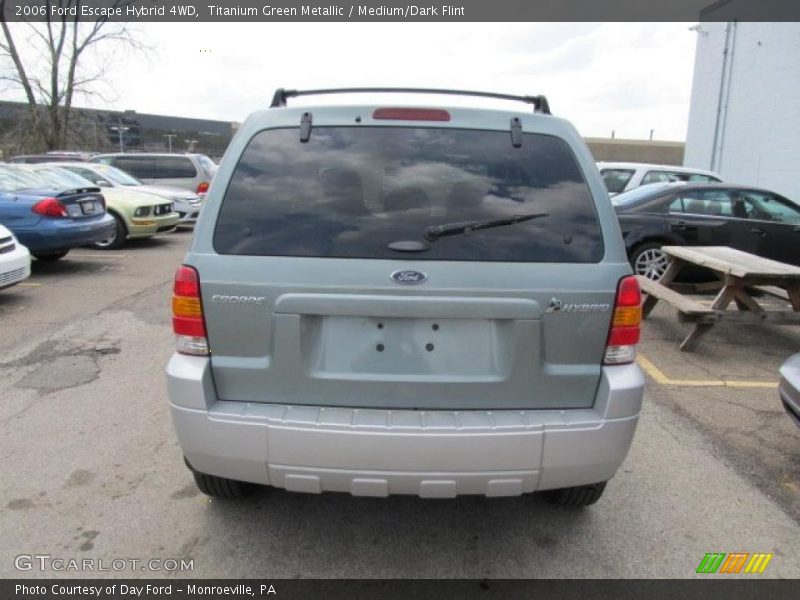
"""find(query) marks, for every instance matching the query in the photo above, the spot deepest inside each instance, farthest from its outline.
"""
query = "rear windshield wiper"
(434, 232)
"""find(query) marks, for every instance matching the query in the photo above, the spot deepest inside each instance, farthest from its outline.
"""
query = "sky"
(623, 77)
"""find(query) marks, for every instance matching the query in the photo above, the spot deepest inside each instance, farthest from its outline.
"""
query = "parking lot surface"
(92, 468)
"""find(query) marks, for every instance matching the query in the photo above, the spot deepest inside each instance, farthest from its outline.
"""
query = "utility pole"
(169, 137)
(190, 144)
(121, 131)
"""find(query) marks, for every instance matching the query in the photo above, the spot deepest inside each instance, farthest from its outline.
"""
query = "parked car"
(624, 176)
(192, 172)
(789, 387)
(51, 219)
(690, 214)
(429, 301)
(136, 214)
(15, 260)
(56, 156)
(186, 204)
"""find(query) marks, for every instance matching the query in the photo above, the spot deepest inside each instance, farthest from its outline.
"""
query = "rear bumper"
(368, 452)
(55, 235)
(789, 387)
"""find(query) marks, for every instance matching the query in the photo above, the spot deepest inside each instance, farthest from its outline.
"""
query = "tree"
(54, 69)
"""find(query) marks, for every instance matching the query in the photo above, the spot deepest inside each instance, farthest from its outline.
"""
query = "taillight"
(187, 313)
(50, 207)
(202, 188)
(624, 333)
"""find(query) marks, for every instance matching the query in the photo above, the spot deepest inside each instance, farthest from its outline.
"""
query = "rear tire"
(117, 240)
(576, 497)
(51, 256)
(219, 487)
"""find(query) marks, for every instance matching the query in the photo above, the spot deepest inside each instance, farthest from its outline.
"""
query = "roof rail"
(540, 104)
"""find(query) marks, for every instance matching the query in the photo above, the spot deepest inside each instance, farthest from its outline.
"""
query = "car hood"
(127, 197)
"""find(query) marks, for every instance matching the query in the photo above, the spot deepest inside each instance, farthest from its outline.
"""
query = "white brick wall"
(759, 127)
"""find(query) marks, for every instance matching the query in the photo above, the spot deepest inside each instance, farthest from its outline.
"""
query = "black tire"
(576, 497)
(51, 256)
(219, 487)
(118, 239)
(645, 254)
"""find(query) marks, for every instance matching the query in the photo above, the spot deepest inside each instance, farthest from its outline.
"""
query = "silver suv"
(192, 172)
(388, 300)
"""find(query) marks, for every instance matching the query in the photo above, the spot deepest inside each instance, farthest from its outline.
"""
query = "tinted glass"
(12, 179)
(616, 179)
(208, 165)
(63, 177)
(174, 167)
(672, 176)
(142, 167)
(769, 207)
(117, 175)
(89, 174)
(714, 203)
(697, 178)
(660, 177)
(350, 192)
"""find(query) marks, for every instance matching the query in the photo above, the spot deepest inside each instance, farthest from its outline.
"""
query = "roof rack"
(540, 104)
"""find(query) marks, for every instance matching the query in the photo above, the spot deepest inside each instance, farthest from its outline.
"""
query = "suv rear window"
(349, 192)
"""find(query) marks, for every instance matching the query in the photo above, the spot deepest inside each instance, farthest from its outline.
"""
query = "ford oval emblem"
(409, 277)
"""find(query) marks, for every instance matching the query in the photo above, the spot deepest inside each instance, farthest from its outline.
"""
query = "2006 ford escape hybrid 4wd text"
(429, 301)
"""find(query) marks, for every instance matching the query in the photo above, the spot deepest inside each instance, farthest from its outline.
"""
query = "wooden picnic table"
(741, 274)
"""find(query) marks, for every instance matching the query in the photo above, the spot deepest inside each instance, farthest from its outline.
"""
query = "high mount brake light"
(187, 313)
(625, 324)
(411, 114)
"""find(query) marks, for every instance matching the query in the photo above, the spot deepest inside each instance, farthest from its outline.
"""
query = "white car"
(623, 176)
(15, 260)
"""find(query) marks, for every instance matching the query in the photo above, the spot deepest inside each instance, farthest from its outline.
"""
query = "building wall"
(744, 120)
(647, 151)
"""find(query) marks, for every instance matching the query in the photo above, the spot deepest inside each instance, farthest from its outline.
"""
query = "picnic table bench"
(742, 276)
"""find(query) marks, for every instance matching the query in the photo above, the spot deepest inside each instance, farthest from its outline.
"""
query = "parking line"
(790, 485)
(29, 284)
(81, 255)
(660, 378)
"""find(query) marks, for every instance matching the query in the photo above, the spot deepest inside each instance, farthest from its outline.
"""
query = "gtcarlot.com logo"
(734, 562)
(46, 562)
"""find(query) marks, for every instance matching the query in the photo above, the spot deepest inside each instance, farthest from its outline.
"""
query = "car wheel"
(575, 497)
(51, 256)
(649, 260)
(117, 239)
(219, 487)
